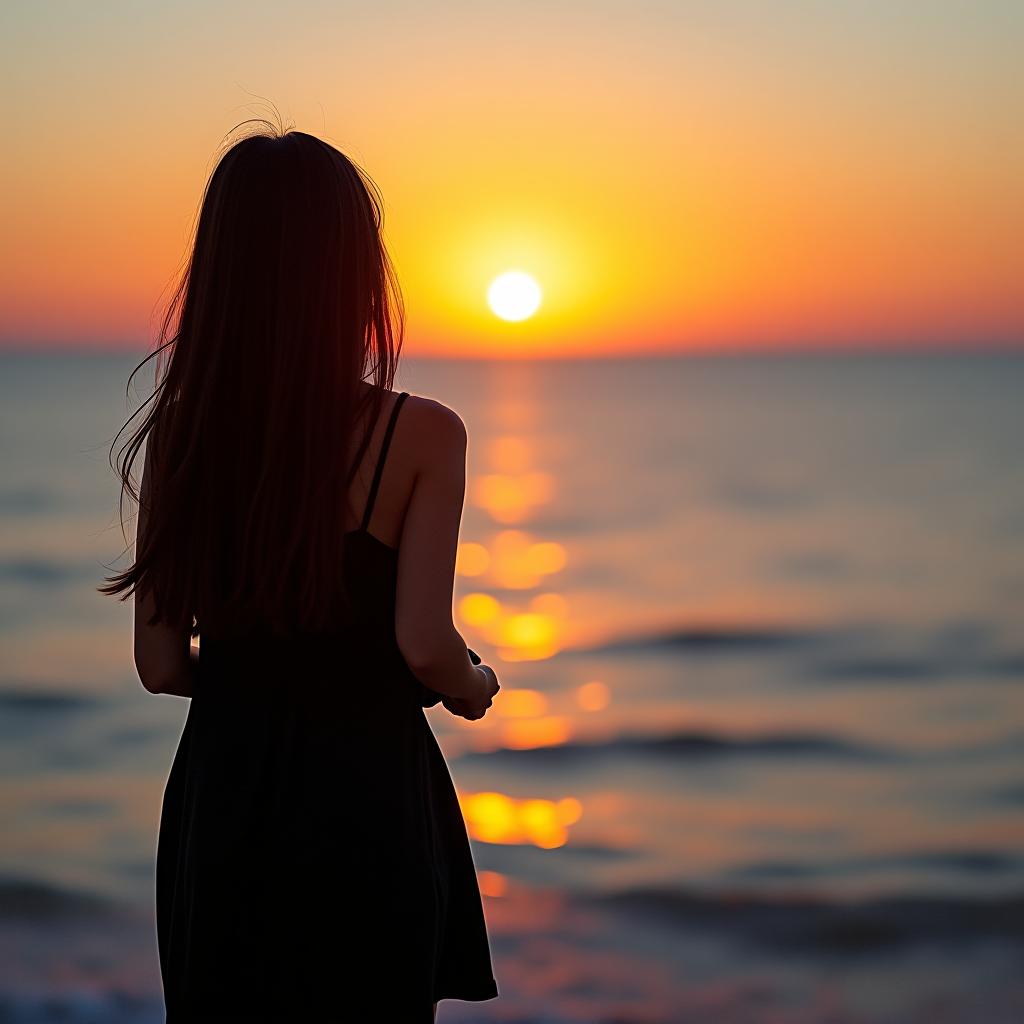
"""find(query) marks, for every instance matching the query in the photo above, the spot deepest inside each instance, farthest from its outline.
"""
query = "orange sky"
(676, 175)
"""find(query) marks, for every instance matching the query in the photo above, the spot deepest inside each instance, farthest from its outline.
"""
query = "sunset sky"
(676, 176)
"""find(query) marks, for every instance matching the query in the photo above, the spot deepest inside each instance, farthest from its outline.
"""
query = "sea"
(757, 754)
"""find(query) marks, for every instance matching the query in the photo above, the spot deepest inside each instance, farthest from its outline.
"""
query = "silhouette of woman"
(312, 862)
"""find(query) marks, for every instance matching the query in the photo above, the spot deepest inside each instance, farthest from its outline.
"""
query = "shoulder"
(433, 426)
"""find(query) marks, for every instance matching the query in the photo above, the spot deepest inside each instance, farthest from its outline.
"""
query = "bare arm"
(424, 628)
(164, 656)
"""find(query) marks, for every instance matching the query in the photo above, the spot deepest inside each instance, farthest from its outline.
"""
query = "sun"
(514, 295)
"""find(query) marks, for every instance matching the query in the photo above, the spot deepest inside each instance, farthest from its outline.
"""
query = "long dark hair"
(287, 301)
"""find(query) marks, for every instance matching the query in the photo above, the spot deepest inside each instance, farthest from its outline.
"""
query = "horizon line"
(996, 346)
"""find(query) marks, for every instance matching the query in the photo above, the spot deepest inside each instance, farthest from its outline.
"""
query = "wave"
(34, 900)
(979, 862)
(710, 639)
(28, 501)
(1011, 794)
(43, 572)
(24, 698)
(915, 669)
(696, 743)
(818, 925)
(841, 654)
(93, 1007)
(874, 669)
(1009, 665)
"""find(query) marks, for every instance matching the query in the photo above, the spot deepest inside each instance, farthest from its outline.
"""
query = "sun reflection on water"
(513, 607)
(513, 559)
(496, 818)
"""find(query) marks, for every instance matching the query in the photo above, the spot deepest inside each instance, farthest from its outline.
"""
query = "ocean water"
(759, 624)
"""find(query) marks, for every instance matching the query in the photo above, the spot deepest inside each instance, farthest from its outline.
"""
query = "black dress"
(313, 863)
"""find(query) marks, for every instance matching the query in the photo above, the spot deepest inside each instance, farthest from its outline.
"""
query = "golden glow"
(546, 558)
(471, 240)
(527, 636)
(490, 816)
(517, 563)
(497, 818)
(519, 635)
(510, 498)
(528, 733)
(593, 696)
(471, 559)
(479, 609)
(521, 703)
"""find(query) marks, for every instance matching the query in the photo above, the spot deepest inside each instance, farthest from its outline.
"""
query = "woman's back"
(390, 458)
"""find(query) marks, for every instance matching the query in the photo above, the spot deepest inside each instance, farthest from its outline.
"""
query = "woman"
(312, 860)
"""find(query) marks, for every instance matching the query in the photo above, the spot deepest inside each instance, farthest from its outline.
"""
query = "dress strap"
(379, 470)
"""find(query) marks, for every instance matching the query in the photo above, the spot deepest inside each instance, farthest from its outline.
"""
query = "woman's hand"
(474, 708)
